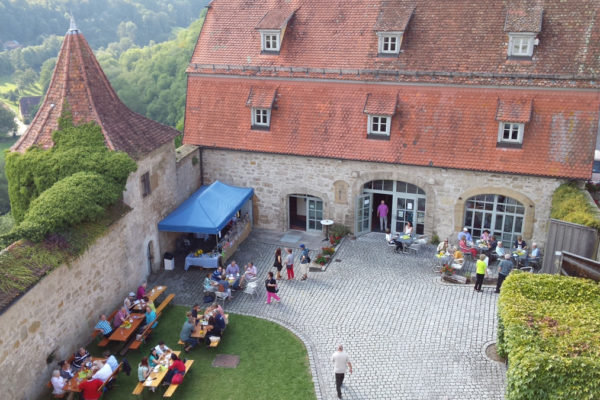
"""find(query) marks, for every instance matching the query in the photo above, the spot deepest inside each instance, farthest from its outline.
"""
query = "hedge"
(549, 329)
(569, 203)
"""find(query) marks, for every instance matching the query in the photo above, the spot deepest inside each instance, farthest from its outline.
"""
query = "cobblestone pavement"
(408, 335)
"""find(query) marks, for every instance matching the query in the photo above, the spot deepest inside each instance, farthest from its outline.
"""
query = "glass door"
(362, 215)
(405, 212)
(315, 214)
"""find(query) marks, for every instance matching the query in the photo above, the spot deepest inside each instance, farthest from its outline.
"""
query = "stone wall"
(58, 314)
(338, 182)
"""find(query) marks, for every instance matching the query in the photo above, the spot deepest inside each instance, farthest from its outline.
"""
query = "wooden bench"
(104, 341)
(137, 343)
(111, 377)
(172, 388)
(138, 389)
(164, 303)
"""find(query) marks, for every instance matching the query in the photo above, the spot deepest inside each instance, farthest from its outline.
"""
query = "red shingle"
(381, 104)
(394, 15)
(261, 97)
(79, 82)
(275, 19)
(523, 18)
(510, 110)
(452, 127)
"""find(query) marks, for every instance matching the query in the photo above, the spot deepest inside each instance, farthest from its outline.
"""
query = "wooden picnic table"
(199, 331)
(122, 334)
(72, 385)
(155, 378)
(152, 295)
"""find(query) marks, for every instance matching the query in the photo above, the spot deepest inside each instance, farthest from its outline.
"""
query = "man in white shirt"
(500, 250)
(340, 362)
(103, 373)
(111, 360)
(161, 347)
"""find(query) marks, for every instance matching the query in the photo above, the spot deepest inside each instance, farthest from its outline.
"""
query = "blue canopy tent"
(208, 210)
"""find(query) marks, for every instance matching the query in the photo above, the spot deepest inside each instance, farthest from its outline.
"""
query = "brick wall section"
(275, 177)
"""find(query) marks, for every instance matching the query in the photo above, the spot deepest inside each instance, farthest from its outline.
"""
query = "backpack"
(177, 379)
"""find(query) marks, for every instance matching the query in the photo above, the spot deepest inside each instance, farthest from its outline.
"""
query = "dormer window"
(272, 29)
(270, 41)
(389, 42)
(261, 118)
(380, 108)
(261, 101)
(512, 115)
(521, 44)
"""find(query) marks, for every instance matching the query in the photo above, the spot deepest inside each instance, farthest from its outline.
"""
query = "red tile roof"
(511, 110)
(381, 104)
(463, 41)
(80, 83)
(275, 19)
(442, 126)
(523, 18)
(394, 16)
(261, 97)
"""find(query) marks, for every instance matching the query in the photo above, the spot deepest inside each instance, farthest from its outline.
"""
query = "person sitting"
(462, 244)
(150, 303)
(161, 348)
(150, 319)
(65, 370)
(493, 243)
(534, 255)
(80, 358)
(500, 250)
(89, 388)
(102, 371)
(466, 234)
(485, 237)
(250, 274)
(143, 369)
(209, 284)
(104, 326)
(389, 238)
(408, 228)
(186, 334)
(58, 383)
(128, 302)
(196, 312)
(120, 317)
(224, 284)
(217, 274)
(111, 360)
(177, 367)
(153, 358)
(520, 243)
(232, 269)
(141, 291)
(443, 247)
(215, 327)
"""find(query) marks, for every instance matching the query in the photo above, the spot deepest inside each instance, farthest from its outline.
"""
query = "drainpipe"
(201, 167)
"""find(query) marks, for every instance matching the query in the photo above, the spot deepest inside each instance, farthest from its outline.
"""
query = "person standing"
(382, 212)
(505, 266)
(341, 361)
(304, 261)
(278, 262)
(271, 285)
(289, 264)
(481, 267)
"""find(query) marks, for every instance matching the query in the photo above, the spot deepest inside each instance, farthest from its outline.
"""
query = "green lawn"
(273, 363)
(7, 84)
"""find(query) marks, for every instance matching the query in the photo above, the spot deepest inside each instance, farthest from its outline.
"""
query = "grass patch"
(7, 85)
(273, 362)
(24, 263)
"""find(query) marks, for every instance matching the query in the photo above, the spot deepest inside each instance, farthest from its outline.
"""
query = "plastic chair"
(251, 288)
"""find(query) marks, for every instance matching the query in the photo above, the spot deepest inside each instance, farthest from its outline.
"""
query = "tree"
(7, 121)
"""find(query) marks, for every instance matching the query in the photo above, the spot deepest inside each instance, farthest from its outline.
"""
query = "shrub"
(339, 230)
(435, 239)
(549, 329)
(570, 204)
(328, 250)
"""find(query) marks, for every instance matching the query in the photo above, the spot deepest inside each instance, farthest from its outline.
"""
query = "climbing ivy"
(69, 183)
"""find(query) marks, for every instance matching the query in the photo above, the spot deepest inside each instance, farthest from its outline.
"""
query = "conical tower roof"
(79, 83)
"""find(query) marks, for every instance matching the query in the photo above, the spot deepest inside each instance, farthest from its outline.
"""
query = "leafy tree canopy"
(71, 182)
(7, 121)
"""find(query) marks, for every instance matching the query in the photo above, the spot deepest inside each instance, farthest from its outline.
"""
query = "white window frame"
(264, 121)
(383, 36)
(266, 38)
(376, 119)
(521, 38)
(514, 126)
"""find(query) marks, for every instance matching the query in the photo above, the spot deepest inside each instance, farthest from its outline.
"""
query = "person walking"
(278, 262)
(304, 262)
(341, 361)
(504, 268)
(289, 264)
(481, 266)
(382, 212)
(271, 285)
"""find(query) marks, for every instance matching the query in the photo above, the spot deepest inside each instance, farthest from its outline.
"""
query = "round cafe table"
(326, 223)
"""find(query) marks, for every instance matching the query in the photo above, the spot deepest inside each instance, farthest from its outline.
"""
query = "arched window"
(501, 215)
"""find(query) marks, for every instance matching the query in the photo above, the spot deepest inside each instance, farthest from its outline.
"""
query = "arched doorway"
(406, 202)
(503, 216)
(305, 212)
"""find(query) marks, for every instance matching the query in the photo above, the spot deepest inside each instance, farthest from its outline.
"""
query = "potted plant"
(447, 270)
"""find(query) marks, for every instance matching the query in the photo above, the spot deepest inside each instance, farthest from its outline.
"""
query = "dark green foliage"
(549, 328)
(67, 184)
(7, 121)
(569, 203)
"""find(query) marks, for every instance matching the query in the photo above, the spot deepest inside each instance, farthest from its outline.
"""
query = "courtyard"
(409, 336)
